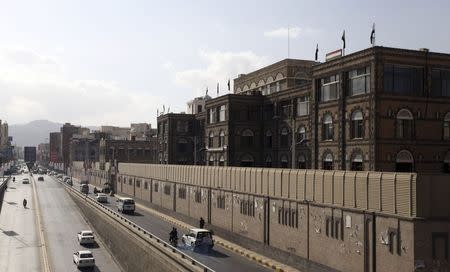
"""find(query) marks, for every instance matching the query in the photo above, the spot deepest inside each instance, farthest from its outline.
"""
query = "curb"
(266, 262)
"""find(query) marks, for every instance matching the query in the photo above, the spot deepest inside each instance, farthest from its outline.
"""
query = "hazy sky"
(115, 62)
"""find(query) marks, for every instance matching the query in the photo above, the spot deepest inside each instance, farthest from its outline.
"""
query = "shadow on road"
(93, 245)
(135, 214)
(90, 269)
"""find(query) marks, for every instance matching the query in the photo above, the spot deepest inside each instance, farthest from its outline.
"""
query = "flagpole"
(288, 42)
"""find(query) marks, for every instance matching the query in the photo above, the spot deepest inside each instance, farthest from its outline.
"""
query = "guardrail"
(130, 224)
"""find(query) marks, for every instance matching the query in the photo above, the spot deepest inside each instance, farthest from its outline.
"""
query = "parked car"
(83, 258)
(69, 182)
(198, 239)
(84, 188)
(26, 181)
(102, 198)
(125, 204)
(85, 237)
(40, 178)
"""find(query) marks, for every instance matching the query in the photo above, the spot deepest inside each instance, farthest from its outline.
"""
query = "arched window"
(247, 161)
(222, 138)
(301, 134)
(222, 161)
(247, 138)
(447, 126)
(284, 137)
(327, 131)
(357, 162)
(211, 140)
(327, 162)
(447, 163)
(404, 125)
(301, 78)
(268, 161)
(404, 161)
(268, 140)
(357, 124)
(301, 161)
(284, 161)
(211, 160)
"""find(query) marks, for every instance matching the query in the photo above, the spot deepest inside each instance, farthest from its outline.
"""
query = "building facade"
(379, 109)
(55, 147)
(67, 131)
(114, 151)
(43, 153)
(29, 154)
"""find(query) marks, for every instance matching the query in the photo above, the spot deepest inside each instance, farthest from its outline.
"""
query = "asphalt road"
(19, 243)
(219, 259)
(62, 221)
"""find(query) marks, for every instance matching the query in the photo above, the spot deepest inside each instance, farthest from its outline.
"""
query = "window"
(222, 138)
(303, 106)
(284, 137)
(155, 187)
(182, 126)
(301, 134)
(357, 125)
(447, 126)
(357, 162)
(145, 185)
(278, 86)
(211, 140)
(300, 78)
(403, 80)
(439, 245)
(268, 161)
(288, 217)
(221, 202)
(167, 189)
(182, 145)
(329, 88)
(247, 207)
(328, 130)
(199, 108)
(247, 138)
(138, 183)
(130, 181)
(284, 161)
(440, 84)
(222, 113)
(182, 192)
(404, 125)
(268, 140)
(328, 162)
(359, 81)
(404, 161)
(286, 108)
(221, 161)
(247, 161)
(198, 196)
(212, 116)
(301, 161)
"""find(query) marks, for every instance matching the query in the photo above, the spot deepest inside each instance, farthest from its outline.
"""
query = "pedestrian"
(202, 222)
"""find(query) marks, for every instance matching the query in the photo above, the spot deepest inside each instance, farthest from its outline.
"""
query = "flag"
(317, 51)
(168, 109)
(372, 35)
(343, 39)
(229, 85)
(217, 88)
(206, 90)
(157, 112)
(164, 108)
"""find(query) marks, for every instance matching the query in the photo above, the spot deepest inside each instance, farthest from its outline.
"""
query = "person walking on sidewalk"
(202, 222)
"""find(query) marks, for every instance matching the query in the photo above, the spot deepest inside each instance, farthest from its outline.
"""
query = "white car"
(102, 198)
(26, 181)
(125, 204)
(85, 237)
(198, 239)
(83, 258)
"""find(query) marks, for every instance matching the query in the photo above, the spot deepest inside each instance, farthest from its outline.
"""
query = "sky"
(116, 62)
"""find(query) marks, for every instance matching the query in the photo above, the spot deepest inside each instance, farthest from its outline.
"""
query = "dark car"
(41, 178)
(84, 188)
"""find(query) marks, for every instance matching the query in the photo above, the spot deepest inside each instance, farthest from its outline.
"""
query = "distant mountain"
(33, 133)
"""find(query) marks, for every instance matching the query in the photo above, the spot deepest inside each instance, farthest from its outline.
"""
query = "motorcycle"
(24, 203)
(173, 241)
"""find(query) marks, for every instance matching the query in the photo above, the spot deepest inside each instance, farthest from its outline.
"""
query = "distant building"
(6, 149)
(29, 154)
(43, 153)
(141, 132)
(55, 147)
(116, 133)
(67, 131)
(128, 151)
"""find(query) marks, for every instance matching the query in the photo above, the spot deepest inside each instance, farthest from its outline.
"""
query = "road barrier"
(161, 245)
(3, 186)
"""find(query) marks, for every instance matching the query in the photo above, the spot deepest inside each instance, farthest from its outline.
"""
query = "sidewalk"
(19, 243)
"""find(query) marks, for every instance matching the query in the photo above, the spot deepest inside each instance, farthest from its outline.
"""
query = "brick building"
(382, 109)
(55, 147)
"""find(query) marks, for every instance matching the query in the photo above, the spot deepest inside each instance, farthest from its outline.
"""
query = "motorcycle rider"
(173, 236)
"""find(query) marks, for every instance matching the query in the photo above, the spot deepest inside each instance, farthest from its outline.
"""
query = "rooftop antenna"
(288, 42)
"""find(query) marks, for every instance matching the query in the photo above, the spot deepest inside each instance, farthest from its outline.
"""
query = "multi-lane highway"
(219, 259)
(20, 244)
